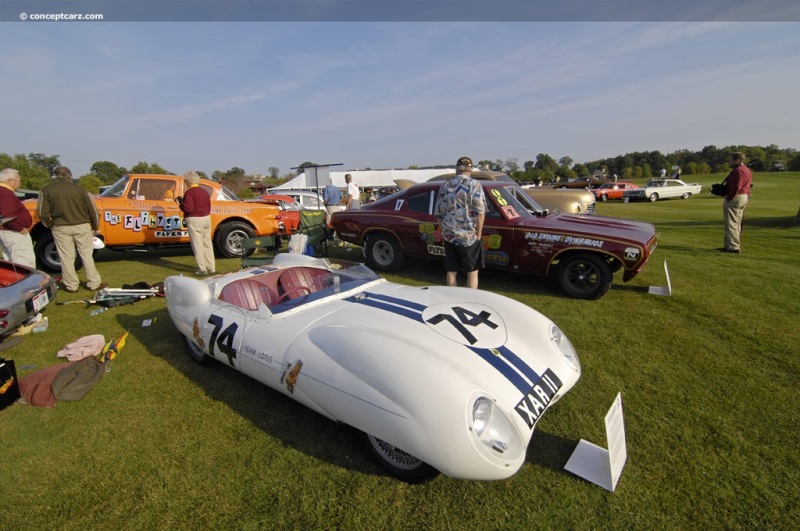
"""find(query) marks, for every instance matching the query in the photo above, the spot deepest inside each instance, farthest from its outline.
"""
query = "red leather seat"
(300, 281)
(247, 294)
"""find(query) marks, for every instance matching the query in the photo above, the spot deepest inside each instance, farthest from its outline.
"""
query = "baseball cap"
(464, 161)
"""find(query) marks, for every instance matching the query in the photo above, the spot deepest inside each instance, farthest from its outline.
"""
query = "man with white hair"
(196, 208)
(15, 237)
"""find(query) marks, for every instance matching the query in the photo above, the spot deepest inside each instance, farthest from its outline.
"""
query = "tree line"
(36, 169)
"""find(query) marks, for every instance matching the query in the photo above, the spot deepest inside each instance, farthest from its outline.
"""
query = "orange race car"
(141, 211)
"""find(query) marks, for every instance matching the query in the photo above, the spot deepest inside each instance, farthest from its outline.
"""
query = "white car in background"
(305, 199)
(656, 189)
(438, 379)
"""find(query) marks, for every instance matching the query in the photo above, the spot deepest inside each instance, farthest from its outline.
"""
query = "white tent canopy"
(365, 178)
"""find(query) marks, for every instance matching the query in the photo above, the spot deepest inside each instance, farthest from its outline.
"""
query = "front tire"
(653, 197)
(685, 195)
(196, 353)
(398, 463)
(384, 253)
(603, 197)
(584, 276)
(229, 236)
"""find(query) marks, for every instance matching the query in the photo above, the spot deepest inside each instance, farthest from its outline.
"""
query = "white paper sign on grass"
(663, 290)
(598, 465)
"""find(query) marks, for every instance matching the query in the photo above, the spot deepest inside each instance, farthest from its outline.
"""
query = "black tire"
(653, 197)
(603, 197)
(229, 236)
(584, 276)
(47, 258)
(196, 353)
(398, 463)
(384, 253)
(686, 195)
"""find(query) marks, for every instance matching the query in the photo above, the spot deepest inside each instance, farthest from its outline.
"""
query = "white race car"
(439, 379)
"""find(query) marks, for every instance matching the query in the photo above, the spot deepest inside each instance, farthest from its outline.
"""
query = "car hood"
(392, 337)
(591, 226)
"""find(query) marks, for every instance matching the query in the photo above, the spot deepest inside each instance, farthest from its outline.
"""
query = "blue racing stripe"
(395, 300)
(521, 366)
(416, 316)
(495, 361)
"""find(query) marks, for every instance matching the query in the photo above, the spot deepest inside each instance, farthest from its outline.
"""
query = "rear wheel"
(584, 276)
(653, 197)
(398, 463)
(384, 253)
(229, 236)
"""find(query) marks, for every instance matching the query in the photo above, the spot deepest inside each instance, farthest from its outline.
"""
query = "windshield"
(227, 195)
(116, 189)
(513, 201)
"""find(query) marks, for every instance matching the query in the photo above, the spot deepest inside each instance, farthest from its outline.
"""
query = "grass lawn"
(710, 381)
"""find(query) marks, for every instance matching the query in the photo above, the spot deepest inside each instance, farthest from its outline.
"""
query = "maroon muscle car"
(582, 252)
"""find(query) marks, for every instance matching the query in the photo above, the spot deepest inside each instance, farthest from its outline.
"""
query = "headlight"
(566, 348)
(493, 428)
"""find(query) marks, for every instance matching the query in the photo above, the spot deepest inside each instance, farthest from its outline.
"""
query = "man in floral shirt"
(461, 209)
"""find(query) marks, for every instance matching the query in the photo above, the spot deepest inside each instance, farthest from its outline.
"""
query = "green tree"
(580, 170)
(546, 163)
(511, 166)
(565, 161)
(107, 172)
(273, 172)
(49, 162)
(235, 180)
(145, 167)
(34, 176)
(202, 174)
(91, 183)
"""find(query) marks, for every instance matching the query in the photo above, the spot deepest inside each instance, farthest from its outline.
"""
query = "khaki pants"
(200, 236)
(733, 214)
(68, 238)
(329, 210)
(17, 248)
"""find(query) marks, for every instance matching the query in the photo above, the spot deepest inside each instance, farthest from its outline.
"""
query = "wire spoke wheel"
(399, 463)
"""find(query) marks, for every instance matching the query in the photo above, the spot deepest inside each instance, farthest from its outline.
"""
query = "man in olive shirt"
(69, 211)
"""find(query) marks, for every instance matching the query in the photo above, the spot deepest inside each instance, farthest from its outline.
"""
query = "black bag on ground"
(9, 384)
(720, 189)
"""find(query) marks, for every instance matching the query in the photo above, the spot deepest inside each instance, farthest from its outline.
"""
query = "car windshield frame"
(116, 189)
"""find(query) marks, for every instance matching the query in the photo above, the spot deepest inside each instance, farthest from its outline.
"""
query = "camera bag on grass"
(9, 385)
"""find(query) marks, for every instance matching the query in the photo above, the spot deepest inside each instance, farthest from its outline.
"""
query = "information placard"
(598, 465)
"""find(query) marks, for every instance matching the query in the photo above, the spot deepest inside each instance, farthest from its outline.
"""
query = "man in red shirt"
(15, 238)
(738, 181)
(196, 207)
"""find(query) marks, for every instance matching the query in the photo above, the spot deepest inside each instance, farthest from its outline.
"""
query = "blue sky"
(210, 96)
